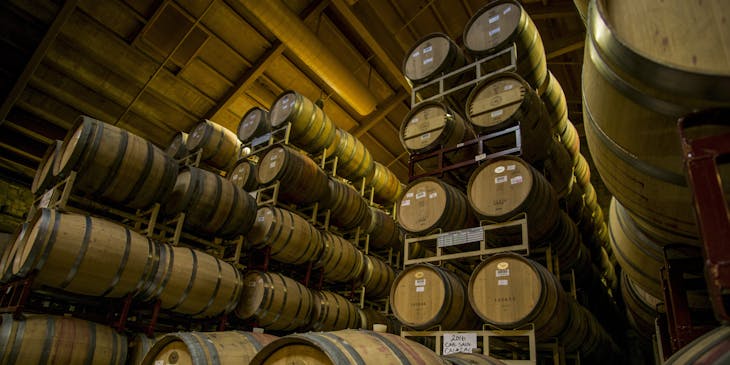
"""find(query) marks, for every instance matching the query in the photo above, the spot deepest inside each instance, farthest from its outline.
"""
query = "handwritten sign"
(459, 342)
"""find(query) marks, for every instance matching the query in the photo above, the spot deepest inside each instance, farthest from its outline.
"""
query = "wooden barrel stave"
(340, 260)
(712, 348)
(346, 347)
(220, 146)
(441, 299)
(243, 175)
(292, 239)
(553, 96)
(432, 125)
(384, 232)
(354, 161)
(348, 209)
(177, 148)
(274, 301)
(462, 358)
(377, 277)
(229, 347)
(301, 180)
(387, 187)
(430, 204)
(333, 312)
(139, 347)
(311, 129)
(254, 123)
(44, 177)
(42, 339)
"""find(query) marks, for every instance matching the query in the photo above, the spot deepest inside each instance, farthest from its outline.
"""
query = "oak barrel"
(387, 188)
(292, 239)
(553, 96)
(177, 147)
(345, 347)
(311, 129)
(348, 209)
(641, 307)
(506, 186)
(11, 249)
(201, 348)
(139, 346)
(220, 146)
(643, 68)
(571, 140)
(301, 180)
(558, 169)
(431, 57)
(44, 177)
(333, 312)
(462, 358)
(253, 124)
(212, 204)
(193, 282)
(243, 175)
(84, 255)
(509, 291)
(43, 339)
(712, 348)
(116, 165)
(499, 24)
(423, 296)
(274, 301)
(370, 317)
(377, 277)
(340, 260)
(384, 232)
(354, 161)
(429, 204)
(432, 125)
(501, 101)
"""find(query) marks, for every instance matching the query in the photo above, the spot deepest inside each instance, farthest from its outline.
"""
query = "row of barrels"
(507, 291)
(630, 115)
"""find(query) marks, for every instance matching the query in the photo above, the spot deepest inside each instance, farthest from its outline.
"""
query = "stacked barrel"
(323, 236)
(548, 182)
(630, 115)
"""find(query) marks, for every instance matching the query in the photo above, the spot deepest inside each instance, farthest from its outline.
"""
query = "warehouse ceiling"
(159, 66)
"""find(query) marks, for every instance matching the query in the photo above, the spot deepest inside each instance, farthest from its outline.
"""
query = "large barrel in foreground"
(712, 348)
(345, 347)
(198, 348)
(50, 340)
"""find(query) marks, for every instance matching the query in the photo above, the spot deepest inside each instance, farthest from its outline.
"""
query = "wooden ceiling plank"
(565, 49)
(371, 42)
(380, 113)
(17, 167)
(63, 15)
(561, 10)
(26, 131)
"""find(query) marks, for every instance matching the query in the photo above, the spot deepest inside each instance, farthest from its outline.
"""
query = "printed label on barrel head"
(501, 272)
(499, 169)
(428, 49)
(494, 19)
(428, 60)
(502, 282)
(409, 195)
(405, 203)
(433, 195)
(420, 289)
(511, 167)
(421, 195)
(516, 180)
(494, 31)
(500, 179)
(420, 282)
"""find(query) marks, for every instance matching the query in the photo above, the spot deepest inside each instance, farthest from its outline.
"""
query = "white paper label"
(499, 273)
(421, 195)
(507, 10)
(272, 165)
(508, 87)
(497, 113)
(493, 19)
(480, 157)
(516, 180)
(494, 31)
(416, 54)
(420, 289)
(502, 282)
(159, 362)
(261, 218)
(426, 136)
(420, 282)
(433, 195)
(427, 49)
(500, 179)
(428, 60)
(405, 203)
(409, 195)
(460, 145)
(459, 342)
(511, 167)
(499, 169)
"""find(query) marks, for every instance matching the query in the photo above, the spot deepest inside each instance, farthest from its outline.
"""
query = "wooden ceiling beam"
(27, 132)
(40, 52)
(564, 45)
(380, 113)
(354, 22)
(561, 10)
(257, 69)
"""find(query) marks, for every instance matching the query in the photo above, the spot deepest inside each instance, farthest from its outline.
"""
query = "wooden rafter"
(380, 113)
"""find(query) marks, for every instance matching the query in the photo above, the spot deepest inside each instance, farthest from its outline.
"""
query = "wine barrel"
(424, 296)
(192, 282)
(116, 165)
(432, 56)
(43, 339)
(461, 358)
(387, 188)
(496, 26)
(509, 291)
(84, 255)
(139, 347)
(253, 124)
(333, 312)
(377, 277)
(432, 125)
(243, 175)
(11, 249)
(291, 238)
(199, 348)
(506, 186)
(301, 180)
(44, 177)
(641, 72)
(582, 171)
(220, 146)
(177, 147)
(712, 348)
(503, 100)
(354, 161)
(340, 260)
(577, 329)
(571, 141)
(311, 129)
(345, 347)
(212, 204)
(558, 169)
(641, 307)
(370, 317)
(348, 209)
(430, 204)
(274, 301)
(384, 231)
(566, 244)
(553, 96)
